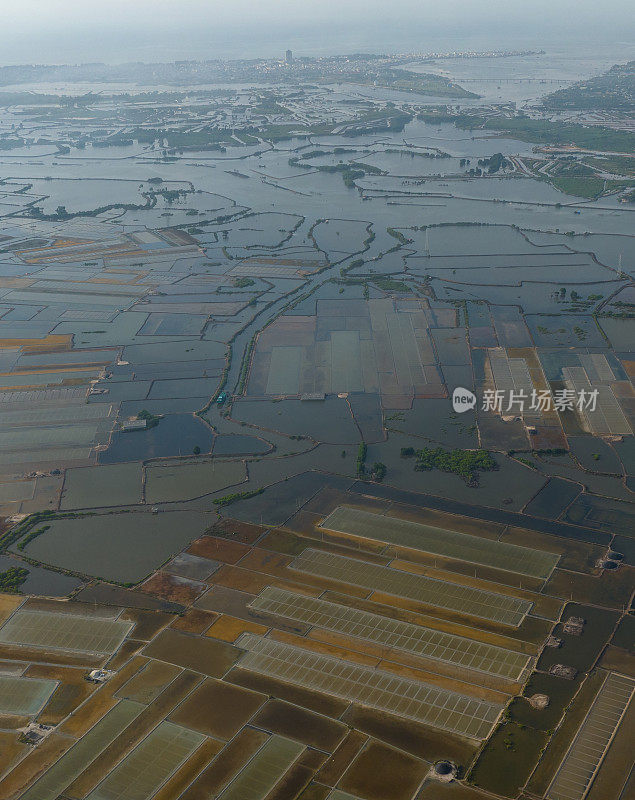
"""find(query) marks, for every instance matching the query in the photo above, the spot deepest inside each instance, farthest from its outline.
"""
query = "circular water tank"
(444, 770)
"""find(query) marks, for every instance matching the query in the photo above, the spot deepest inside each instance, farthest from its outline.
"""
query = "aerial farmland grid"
(316, 419)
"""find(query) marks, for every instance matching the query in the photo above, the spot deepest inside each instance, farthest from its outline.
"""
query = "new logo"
(463, 400)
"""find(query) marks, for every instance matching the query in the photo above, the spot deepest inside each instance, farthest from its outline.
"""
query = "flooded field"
(118, 547)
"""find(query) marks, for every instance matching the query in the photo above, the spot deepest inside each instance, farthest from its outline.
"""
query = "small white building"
(134, 424)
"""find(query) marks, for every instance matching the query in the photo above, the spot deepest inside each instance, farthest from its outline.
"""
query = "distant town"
(361, 68)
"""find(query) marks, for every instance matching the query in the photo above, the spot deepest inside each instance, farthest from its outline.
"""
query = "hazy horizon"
(67, 31)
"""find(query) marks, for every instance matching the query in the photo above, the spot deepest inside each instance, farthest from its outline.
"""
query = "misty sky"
(116, 30)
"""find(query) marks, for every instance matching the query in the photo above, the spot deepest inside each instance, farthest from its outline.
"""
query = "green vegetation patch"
(613, 91)
(390, 285)
(617, 165)
(588, 187)
(350, 171)
(12, 579)
(243, 282)
(465, 463)
(151, 419)
(362, 452)
(546, 132)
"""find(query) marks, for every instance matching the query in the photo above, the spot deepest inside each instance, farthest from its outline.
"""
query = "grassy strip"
(31, 536)
(362, 452)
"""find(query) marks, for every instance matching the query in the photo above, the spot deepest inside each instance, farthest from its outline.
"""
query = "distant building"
(289, 57)
(313, 396)
(99, 675)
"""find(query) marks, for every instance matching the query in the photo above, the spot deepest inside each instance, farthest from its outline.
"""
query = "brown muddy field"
(11, 749)
(34, 765)
(173, 588)
(204, 655)
(146, 624)
(101, 702)
(225, 766)
(218, 709)
(194, 620)
(339, 762)
(380, 772)
(301, 725)
(184, 776)
(313, 701)
(218, 549)
(148, 683)
(419, 740)
(228, 629)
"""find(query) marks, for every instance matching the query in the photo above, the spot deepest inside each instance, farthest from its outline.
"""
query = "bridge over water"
(560, 81)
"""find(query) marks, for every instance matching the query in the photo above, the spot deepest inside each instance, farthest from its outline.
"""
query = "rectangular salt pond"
(444, 542)
(24, 696)
(578, 768)
(64, 771)
(368, 686)
(149, 765)
(415, 639)
(264, 771)
(431, 591)
(52, 630)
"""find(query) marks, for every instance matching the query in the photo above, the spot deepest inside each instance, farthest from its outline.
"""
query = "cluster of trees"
(390, 285)
(379, 471)
(393, 122)
(398, 235)
(465, 463)
(170, 195)
(493, 163)
(613, 91)
(206, 139)
(243, 282)
(151, 419)
(12, 579)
